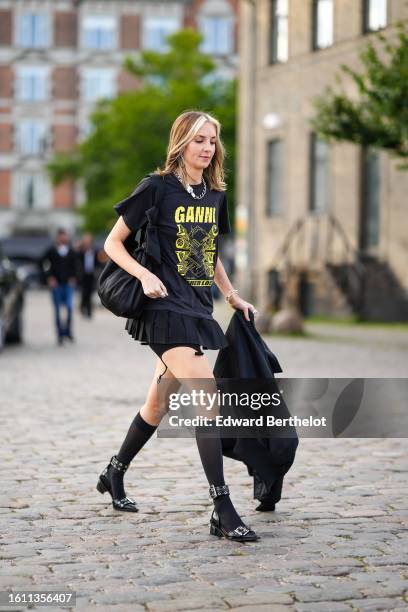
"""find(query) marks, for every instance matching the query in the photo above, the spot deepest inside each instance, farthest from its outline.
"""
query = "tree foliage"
(379, 117)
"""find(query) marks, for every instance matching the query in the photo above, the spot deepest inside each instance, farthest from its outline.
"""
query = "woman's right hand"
(152, 285)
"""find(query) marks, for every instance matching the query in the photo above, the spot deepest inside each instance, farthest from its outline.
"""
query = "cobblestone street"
(335, 542)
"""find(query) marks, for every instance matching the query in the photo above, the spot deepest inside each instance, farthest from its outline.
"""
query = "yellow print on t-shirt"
(196, 247)
(195, 214)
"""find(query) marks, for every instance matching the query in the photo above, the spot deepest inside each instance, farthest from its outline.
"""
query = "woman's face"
(199, 151)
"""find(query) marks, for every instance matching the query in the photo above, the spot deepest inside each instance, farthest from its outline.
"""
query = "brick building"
(321, 227)
(57, 57)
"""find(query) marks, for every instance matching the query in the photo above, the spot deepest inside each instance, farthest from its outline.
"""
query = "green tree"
(379, 118)
(130, 133)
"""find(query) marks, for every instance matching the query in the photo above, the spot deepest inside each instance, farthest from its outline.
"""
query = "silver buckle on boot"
(218, 491)
(118, 465)
(241, 530)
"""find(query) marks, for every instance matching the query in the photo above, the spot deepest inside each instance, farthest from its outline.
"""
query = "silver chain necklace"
(190, 189)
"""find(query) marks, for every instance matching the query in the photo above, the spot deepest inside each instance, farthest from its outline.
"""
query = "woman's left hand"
(239, 304)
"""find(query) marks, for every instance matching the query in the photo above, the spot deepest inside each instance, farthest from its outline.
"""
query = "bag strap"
(158, 181)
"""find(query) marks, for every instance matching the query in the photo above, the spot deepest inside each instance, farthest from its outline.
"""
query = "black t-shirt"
(188, 231)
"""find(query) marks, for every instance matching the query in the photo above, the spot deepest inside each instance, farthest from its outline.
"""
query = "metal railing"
(345, 265)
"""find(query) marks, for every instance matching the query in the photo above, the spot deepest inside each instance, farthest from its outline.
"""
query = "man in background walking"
(61, 271)
(88, 260)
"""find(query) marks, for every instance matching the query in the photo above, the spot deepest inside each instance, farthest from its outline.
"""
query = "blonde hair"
(182, 132)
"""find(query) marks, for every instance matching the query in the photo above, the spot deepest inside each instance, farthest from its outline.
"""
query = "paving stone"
(118, 597)
(386, 589)
(338, 561)
(369, 605)
(361, 512)
(185, 603)
(327, 593)
(323, 606)
(259, 598)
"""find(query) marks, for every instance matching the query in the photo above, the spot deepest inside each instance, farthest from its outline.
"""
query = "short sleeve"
(224, 226)
(133, 208)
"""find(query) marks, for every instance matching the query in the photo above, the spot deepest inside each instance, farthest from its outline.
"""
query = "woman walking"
(177, 319)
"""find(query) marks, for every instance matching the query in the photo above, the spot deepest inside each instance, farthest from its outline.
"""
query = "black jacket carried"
(267, 459)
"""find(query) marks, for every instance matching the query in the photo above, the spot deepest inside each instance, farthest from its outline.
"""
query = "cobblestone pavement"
(335, 542)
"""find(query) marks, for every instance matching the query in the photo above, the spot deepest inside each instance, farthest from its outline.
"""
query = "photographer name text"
(260, 421)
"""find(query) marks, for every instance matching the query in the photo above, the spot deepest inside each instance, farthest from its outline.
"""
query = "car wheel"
(15, 333)
(2, 334)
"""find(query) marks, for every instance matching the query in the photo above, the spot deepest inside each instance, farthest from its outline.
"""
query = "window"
(99, 32)
(33, 30)
(98, 83)
(158, 80)
(155, 31)
(32, 83)
(33, 191)
(86, 130)
(322, 24)
(306, 295)
(218, 35)
(274, 289)
(375, 15)
(31, 134)
(319, 175)
(217, 79)
(279, 31)
(274, 178)
(370, 208)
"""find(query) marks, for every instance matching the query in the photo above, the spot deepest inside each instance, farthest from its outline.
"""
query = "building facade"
(319, 227)
(57, 58)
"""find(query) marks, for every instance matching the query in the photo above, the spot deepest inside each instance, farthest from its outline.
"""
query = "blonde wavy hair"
(182, 132)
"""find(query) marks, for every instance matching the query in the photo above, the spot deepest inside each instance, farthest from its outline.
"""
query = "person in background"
(88, 261)
(61, 271)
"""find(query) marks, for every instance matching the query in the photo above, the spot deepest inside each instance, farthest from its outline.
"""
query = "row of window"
(374, 18)
(100, 32)
(32, 136)
(319, 192)
(33, 83)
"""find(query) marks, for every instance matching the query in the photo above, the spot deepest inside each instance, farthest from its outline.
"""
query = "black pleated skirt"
(166, 326)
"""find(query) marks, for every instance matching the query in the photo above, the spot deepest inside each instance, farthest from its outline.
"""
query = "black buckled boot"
(242, 533)
(126, 504)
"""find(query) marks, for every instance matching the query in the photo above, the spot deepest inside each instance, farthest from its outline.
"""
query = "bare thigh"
(194, 373)
(156, 406)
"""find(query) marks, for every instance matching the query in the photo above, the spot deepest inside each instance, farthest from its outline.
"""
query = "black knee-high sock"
(139, 433)
(209, 447)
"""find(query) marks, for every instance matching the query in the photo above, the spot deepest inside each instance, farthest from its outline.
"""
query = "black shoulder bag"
(121, 292)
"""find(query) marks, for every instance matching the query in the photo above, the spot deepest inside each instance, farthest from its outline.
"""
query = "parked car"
(12, 287)
(26, 253)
